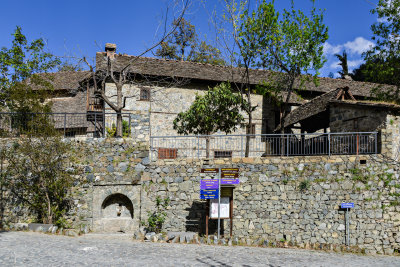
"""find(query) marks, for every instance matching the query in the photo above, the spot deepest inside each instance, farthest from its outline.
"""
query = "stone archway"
(116, 208)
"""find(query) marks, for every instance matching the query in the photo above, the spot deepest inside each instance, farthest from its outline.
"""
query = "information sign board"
(347, 205)
(229, 181)
(209, 170)
(209, 184)
(209, 194)
(229, 175)
(224, 208)
(208, 191)
(229, 170)
(212, 196)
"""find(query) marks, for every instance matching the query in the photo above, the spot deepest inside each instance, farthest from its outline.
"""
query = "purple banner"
(209, 184)
(229, 181)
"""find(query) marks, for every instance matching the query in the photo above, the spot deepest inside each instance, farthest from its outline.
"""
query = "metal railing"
(222, 146)
(90, 124)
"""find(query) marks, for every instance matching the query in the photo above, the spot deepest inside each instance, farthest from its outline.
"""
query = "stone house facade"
(159, 89)
(162, 88)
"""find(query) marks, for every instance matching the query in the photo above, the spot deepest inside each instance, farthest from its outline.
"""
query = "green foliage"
(126, 130)
(218, 110)
(185, 45)
(386, 178)
(206, 53)
(359, 175)
(38, 175)
(291, 46)
(157, 217)
(382, 60)
(21, 89)
(304, 185)
(343, 62)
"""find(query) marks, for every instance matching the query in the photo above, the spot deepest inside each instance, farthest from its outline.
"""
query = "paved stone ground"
(35, 249)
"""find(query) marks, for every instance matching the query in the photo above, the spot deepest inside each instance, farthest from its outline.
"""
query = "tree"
(206, 53)
(184, 45)
(382, 61)
(230, 36)
(343, 62)
(123, 75)
(37, 173)
(218, 110)
(176, 46)
(21, 89)
(290, 46)
(35, 169)
(370, 70)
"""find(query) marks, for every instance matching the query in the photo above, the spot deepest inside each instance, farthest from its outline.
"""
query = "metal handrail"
(70, 124)
(288, 144)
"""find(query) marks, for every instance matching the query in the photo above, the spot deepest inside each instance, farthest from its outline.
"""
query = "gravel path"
(35, 249)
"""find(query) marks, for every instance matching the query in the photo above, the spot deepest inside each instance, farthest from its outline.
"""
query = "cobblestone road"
(35, 249)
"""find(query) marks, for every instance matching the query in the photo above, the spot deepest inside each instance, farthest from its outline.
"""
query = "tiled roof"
(369, 104)
(216, 73)
(315, 106)
(65, 80)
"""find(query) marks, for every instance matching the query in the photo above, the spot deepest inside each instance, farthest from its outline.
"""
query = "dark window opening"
(70, 134)
(222, 154)
(363, 161)
(145, 94)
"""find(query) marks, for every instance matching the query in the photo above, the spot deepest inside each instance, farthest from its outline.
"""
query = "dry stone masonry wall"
(294, 199)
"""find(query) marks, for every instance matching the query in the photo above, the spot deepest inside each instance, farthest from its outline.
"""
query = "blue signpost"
(347, 206)
(209, 193)
(211, 188)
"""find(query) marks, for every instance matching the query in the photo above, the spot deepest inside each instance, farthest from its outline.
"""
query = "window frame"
(144, 91)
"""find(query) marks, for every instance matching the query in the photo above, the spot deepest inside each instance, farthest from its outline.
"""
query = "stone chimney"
(347, 77)
(111, 49)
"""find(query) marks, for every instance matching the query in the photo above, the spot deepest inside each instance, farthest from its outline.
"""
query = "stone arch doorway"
(117, 206)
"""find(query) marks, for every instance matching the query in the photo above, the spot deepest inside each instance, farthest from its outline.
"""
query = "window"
(70, 134)
(167, 153)
(251, 129)
(145, 94)
(222, 154)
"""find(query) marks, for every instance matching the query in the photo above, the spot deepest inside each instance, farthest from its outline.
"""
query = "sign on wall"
(224, 208)
(347, 205)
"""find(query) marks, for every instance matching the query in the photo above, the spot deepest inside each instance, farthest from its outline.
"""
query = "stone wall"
(167, 102)
(352, 118)
(295, 199)
(107, 168)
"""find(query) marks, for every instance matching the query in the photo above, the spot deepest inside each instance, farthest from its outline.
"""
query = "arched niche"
(117, 206)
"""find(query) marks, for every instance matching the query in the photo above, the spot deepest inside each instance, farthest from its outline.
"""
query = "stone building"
(290, 197)
(158, 89)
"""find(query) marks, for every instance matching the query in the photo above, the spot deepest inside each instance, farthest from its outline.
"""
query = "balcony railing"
(223, 146)
(90, 124)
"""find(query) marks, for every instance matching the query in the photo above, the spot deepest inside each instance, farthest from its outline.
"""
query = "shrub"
(157, 218)
(126, 130)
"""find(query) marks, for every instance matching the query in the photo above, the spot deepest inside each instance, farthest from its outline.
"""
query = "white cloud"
(351, 64)
(382, 20)
(354, 63)
(330, 49)
(358, 46)
(335, 65)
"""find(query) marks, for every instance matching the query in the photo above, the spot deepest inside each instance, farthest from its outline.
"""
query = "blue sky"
(81, 28)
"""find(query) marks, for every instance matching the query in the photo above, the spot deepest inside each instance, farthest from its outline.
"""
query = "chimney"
(111, 49)
(347, 77)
